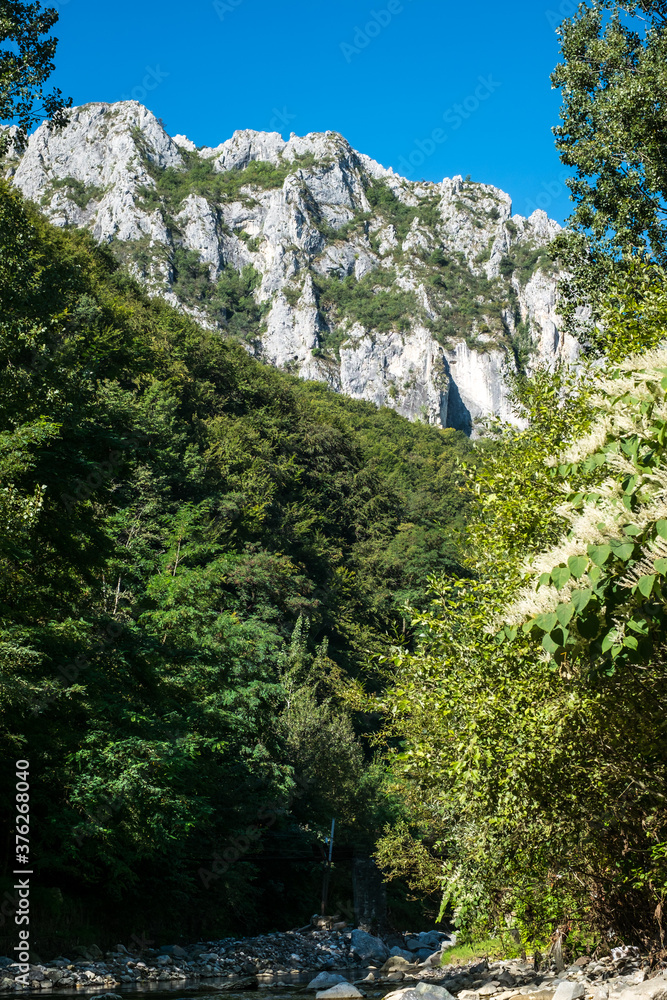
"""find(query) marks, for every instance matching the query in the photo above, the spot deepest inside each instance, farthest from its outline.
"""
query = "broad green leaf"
(596, 460)
(599, 553)
(632, 530)
(529, 626)
(581, 599)
(565, 613)
(547, 622)
(663, 384)
(661, 566)
(630, 642)
(645, 585)
(550, 644)
(609, 641)
(560, 576)
(545, 580)
(622, 550)
(577, 565)
(641, 627)
(661, 528)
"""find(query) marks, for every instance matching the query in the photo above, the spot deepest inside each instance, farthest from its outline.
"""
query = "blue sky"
(432, 88)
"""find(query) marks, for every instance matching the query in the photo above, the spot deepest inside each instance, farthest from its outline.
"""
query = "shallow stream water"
(286, 987)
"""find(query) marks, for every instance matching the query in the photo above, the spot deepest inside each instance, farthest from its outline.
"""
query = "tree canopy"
(613, 132)
(25, 66)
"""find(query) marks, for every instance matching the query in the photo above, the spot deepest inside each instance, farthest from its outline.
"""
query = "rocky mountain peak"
(320, 260)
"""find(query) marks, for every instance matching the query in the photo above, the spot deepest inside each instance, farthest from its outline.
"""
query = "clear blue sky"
(387, 75)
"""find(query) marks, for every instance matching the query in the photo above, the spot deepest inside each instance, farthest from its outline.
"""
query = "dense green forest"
(198, 553)
(235, 605)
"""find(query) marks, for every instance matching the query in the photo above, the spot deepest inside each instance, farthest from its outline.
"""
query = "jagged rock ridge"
(411, 295)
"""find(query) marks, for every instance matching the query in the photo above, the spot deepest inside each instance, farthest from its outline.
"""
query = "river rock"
(325, 980)
(430, 939)
(652, 989)
(342, 991)
(569, 991)
(432, 990)
(368, 948)
(412, 993)
(397, 963)
(401, 953)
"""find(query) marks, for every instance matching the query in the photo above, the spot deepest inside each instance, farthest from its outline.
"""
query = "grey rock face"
(408, 295)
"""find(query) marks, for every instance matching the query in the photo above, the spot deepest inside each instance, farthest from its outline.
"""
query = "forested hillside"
(197, 554)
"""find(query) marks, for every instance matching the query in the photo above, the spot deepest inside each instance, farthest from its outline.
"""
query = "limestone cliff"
(320, 260)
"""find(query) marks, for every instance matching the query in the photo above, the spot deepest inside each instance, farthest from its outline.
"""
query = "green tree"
(532, 747)
(25, 66)
(613, 78)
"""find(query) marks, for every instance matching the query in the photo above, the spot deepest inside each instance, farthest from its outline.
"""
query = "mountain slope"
(321, 261)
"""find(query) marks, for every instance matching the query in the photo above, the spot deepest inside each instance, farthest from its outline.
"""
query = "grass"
(173, 186)
(491, 948)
